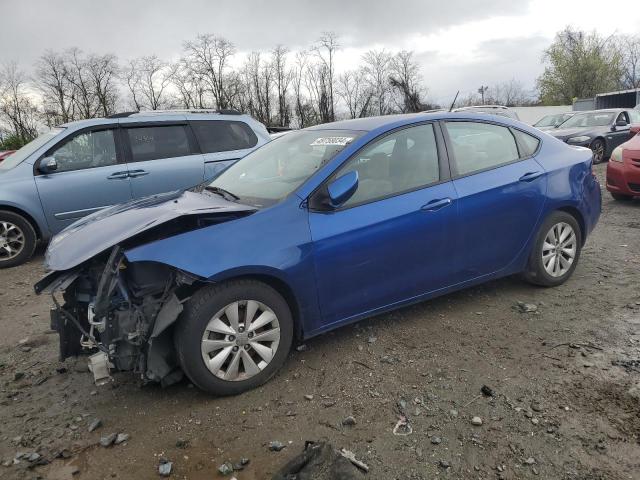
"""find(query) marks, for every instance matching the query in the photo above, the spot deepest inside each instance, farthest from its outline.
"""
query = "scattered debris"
(402, 426)
(320, 461)
(108, 440)
(526, 307)
(477, 421)
(487, 391)
(308, 397)
(628, 365)
(302, 348)
(226, 468)
(349, 455)
(182, 443)
(121, 438)
(349, 421)
(444, 464)
(165, 467)
(95, 424)
(436, 440)
(276, 446)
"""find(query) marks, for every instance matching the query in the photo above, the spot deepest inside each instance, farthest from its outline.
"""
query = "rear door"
(223, 142)
(501, 191)
(161, 157)
(91, 175)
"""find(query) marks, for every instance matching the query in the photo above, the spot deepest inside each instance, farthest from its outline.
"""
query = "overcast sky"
(461, 44)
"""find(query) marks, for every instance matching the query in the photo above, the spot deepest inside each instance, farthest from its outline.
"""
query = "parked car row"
(82, 167)
(320, 228)
(600, 130)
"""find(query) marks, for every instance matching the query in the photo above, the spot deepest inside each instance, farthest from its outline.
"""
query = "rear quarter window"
(528, 144)
(223, 135)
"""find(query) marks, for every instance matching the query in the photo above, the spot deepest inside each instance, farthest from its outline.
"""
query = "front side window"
(86, 150)
(154, 143)
(18, 157)
(480, 146)
(399, 162)
(223, 135)
(273, 171)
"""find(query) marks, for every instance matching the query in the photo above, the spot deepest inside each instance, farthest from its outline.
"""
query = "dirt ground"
(565, 381)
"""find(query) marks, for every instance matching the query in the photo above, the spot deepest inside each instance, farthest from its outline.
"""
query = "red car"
(5, 154)
(623, 169)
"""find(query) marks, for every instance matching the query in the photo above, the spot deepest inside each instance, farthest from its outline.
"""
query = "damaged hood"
(99, 231)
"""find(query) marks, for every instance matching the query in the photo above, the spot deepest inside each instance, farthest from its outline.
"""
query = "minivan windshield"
(17, 157)
(270, 173)
(592, 119)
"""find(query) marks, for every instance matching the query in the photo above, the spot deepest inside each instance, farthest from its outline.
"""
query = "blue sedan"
(317, 229)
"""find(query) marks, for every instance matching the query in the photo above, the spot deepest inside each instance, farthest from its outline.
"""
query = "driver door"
(90, 176)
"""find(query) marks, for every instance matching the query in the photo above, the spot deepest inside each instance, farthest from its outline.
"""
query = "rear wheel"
(621, 197)
(598, 149)
(17, 239)
(234, 336)
(556, 251)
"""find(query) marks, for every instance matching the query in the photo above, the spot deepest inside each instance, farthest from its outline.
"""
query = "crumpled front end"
(121, 314)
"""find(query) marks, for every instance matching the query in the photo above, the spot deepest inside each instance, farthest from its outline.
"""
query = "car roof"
(159, 116)
(372, 123)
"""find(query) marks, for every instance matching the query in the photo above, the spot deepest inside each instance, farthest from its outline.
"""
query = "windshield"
(552, 120)
(593, 119)
(29, 148)
(272, 172)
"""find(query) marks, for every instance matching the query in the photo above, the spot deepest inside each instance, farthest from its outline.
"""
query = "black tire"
(536, 272)
(30, 239)
(201, 308)
(621, 197)
(599, 149)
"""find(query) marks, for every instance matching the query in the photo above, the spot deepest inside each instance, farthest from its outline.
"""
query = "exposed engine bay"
(121, 313)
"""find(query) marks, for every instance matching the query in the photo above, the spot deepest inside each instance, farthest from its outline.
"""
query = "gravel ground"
(565, 381)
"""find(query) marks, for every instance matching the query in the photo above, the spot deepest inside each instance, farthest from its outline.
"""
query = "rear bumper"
(623, 178)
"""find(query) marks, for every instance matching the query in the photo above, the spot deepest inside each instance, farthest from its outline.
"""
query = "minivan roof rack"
(226, 111)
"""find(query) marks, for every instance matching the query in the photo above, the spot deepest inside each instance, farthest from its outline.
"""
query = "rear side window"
(528, 143)
(153, 143)
(223, 135)
(480, 146)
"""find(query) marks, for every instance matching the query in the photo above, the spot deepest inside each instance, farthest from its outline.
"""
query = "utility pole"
(482, 90)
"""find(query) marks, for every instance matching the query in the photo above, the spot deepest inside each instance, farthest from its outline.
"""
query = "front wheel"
(234, 336)
(17, 239)
(556, 251)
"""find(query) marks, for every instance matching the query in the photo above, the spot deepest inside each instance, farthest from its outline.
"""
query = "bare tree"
(630, 48)
(405, 79)
(17, 110)
(282, 80)
(103, 73)
(302, 107)
(52, 78)
(353, 92)
(147, 79)
(325, 49)
(376, 68)
(209, 56)
(509, 94)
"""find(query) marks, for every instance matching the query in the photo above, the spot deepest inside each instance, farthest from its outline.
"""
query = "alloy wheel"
(598, 151)
(240, 340)
(12, 241)
(559, 249)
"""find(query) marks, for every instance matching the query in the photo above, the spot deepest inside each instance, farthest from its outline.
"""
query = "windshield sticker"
(325, 141)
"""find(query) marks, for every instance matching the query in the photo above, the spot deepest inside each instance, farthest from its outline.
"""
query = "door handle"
(434, 205)
(116, 175)
(137, 173)
(530, 176)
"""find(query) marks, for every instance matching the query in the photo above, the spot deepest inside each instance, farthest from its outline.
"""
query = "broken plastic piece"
(99, 365)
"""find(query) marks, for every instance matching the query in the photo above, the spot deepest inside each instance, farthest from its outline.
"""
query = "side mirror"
(343, 188)
(48, 165)
(621, 125)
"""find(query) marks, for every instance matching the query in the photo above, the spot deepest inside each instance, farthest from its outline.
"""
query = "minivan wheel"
(17, 239)
(234, 336)
(556, 251)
